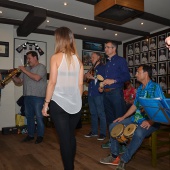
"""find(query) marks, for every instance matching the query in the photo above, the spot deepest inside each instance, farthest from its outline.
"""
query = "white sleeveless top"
(66, 93)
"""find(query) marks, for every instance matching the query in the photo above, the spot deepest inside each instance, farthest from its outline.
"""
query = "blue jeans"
(33, 107)
(137, 139)
(97, 111)
(114, 104)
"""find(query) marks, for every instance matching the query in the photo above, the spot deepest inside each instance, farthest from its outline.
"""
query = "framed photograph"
(154, 69)
(144, 58)
(137, 47)
(130, 60)
(161, 40)
(162, 80)
(4, 49)
(154, 78)
(22, 46)
(131, 72)
(162, 68)
(152, 43)
(130, 49)
(93, 46)
(86, 58)
(162, 54)
(152, 56)
(144, 46)
(137, 59)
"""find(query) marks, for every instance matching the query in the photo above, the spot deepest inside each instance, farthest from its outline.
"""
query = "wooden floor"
(15, 155)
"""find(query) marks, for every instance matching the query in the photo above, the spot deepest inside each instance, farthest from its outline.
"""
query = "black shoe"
(28, 138)
(39, 140)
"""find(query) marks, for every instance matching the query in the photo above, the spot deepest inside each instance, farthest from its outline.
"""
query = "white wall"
(10, 94)
(7, 106)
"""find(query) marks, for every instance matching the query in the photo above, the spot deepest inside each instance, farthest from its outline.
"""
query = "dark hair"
(147, 68)
(113, 43)
(98, 54)
(33, 53)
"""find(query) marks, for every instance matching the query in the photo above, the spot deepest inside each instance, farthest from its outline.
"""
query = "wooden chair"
(158, 143)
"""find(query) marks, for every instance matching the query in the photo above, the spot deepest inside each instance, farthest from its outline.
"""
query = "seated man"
(148, 89)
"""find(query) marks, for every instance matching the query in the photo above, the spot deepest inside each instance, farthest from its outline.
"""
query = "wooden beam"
(31, 22)
(86, 38)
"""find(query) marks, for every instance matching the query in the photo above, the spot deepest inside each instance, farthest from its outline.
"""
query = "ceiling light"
(48, 21)
(116, 34)
(65, 3)
(141, 23)
(0, 12)
(85, 28)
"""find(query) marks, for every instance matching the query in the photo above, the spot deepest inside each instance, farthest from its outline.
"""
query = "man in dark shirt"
(95, 98)
(116, 74)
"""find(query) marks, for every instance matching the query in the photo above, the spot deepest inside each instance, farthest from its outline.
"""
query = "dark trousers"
(65, 125)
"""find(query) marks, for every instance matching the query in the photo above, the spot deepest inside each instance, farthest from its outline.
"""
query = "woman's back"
(66, 93)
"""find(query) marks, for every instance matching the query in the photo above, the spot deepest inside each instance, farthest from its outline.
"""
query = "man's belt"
(108, 89)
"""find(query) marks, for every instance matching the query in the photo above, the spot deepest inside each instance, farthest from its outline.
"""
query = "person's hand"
(146, 124)
(44, 110)
(119, 119)
(109, 81)
(89, 76)
(22, 68)
(101, 89)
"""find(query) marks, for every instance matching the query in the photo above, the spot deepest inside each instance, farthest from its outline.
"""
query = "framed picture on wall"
(161, 40)
(137, 59)
(130, 60)
(162, 68)
(162, 80)
(152, 56)
(4, 49)
(162, 54)
(144, 58)
(144, 46)
(22, 46)
(154, 69)
(131, 72)
(87, 45)
(153, 43)
(154, 78)
(137, 47)
(130, 49)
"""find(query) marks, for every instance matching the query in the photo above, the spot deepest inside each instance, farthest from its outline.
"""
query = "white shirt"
(144, 60)
(152, 59)
(163, 85)
(161, 43)
(162, 71)
(137, 50)
(145, 48)
(67, 93)
(130, 62)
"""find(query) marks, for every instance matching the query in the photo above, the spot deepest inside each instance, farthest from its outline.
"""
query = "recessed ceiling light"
(141, 23)
(48, 21)
(65, 3)
(0, 12)
(85, 28)
(116, 34)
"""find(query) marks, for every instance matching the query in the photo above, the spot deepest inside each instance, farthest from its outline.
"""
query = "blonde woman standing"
(64, 89)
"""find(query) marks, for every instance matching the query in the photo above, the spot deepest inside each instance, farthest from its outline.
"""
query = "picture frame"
(162, 68)
(87, 45)
(152, 43)
(130, 49)
(162, 80)
(22, 46)
(86, 58)
(131, 72)
(144, 46)
(161, 40)
(144, 58)
(137, 47)
(154, 69)
(4, 49)
(153, 56)
(130, 60)
(162, 54)
(137, 59)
